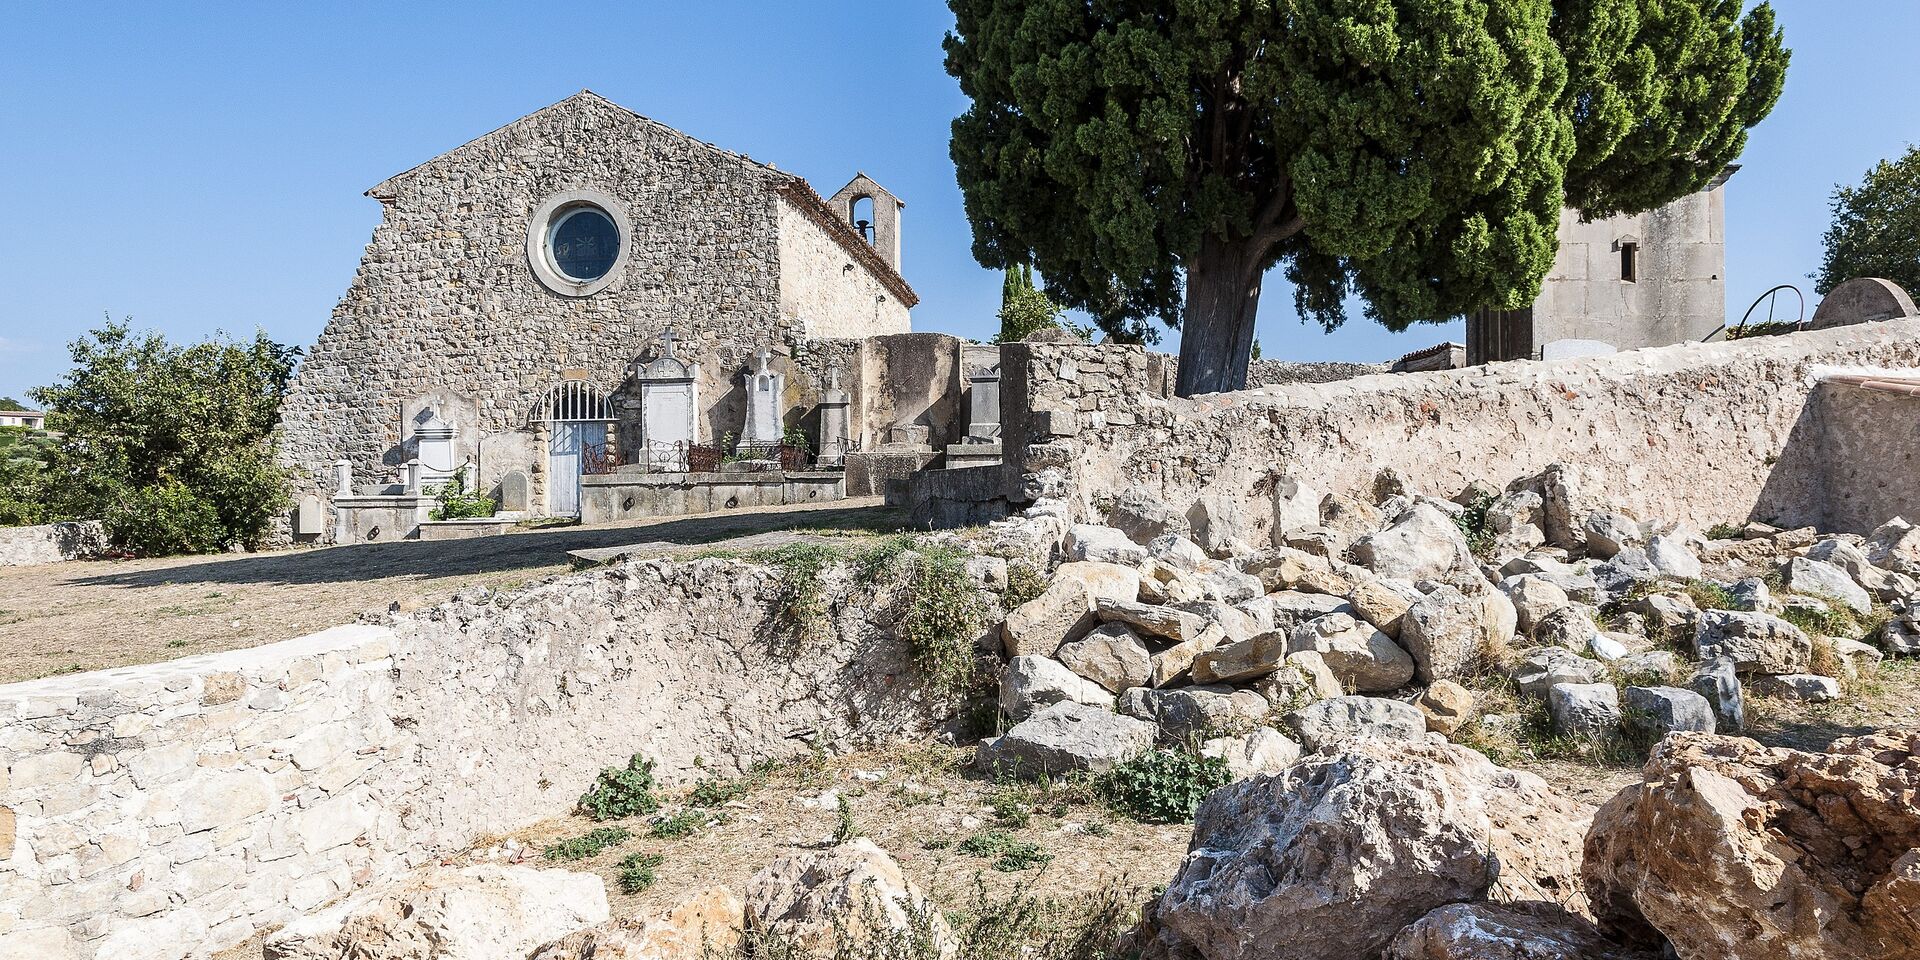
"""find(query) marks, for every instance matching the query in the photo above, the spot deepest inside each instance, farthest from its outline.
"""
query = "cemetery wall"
(172, 810)
(824, 292)
(1700, 433)
(51, 542)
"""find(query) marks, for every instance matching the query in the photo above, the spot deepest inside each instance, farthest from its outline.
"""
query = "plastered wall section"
(824, 291)
(172, 810)
(1698, 433)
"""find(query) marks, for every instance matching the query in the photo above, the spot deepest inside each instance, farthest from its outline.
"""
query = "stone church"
(517, 284)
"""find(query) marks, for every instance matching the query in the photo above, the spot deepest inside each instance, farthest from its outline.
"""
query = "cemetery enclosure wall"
(171, 810)
(51, 542)
(1698, 433)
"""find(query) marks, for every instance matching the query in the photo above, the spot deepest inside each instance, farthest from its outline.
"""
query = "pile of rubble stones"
(1358, 618)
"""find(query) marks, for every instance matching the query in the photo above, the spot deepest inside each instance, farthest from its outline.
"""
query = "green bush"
(941, 616)
(1164, 786)
(637, 871)
(587, 845)
(161, 519)
(453, 501)
(1010, 854)
(621, 792)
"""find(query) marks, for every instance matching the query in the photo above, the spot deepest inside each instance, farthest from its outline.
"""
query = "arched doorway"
(576, 415)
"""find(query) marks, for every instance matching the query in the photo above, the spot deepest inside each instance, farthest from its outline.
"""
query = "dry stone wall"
(51, 543)
(168, 811)
(1697, 433)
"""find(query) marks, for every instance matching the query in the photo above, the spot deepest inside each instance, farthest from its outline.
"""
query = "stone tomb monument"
(669, 406)
(981, 446)
(765, 387)
(836, 422)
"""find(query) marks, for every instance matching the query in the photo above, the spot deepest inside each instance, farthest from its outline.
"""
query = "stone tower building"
(1644, 280)
(514, 282)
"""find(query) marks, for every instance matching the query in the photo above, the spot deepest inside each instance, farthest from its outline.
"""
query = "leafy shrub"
(683, 824)
(453, 501)
(718, 791)
(1024, 583)
(801, 607)
(1710, 596)
(844, 828)
(1472, 521)
(1010, 854)
(636, 871)
(161, 519)
(621, 792)
(588, 844)
(1164, 786)
(941, 615)
(1724, 531)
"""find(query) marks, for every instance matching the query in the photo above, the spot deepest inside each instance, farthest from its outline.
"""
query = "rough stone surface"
(1065, 609)
(1820, 579)
(1505, 931)
(1607, 533)
(1584, 709)
(448, 914)
(1422, 544)
(1191, 714)
(1448, 633)
(1112, 656)
(1570, 626)
(1533, 598)
(836, 899)
(1167, 623)
(1360, 656)
(1032, 683)
(1330, 859)
(1263, 751)
(702, 924)
(1734, 851)
(1380, 604)
(1717, 679)
(1895, 546)
(51, 543)
(1245, 660)
(1093, 543)
(1662, 710)
(1539, 669)
(1447, 706)
(1302, 678)
(1756, 642)
(1339, 720)
(1804, 687)
(1067, 738)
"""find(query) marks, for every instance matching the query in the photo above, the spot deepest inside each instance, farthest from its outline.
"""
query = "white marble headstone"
(764, 389)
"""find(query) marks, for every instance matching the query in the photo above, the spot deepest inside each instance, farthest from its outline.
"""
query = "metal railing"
(682, 457)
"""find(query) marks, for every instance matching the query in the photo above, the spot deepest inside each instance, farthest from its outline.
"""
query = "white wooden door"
(563, 463)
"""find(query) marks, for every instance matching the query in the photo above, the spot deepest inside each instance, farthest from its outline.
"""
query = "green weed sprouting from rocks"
(844, 828)
(1164, 786)
(637, 871)
(1025, 582)
(1710, 596)
(588, 844)
(684, 823)
(1724, 531)
(1010, 854)
(802, 608)
(621, 792)
(1472, 521)
(718, 792)
(941, 613)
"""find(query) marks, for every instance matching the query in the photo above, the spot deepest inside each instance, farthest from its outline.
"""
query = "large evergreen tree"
(1876, 227)
(1155, 159)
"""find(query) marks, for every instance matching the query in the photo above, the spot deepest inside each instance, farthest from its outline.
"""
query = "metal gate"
(576, 414)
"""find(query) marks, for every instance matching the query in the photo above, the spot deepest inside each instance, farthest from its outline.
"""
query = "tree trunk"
(1216, 337)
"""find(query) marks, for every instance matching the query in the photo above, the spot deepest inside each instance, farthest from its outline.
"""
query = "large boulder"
(1166, 623)
(1755, 642)
(1263, 751)
(1381, 603)
(1584, 709)
(1734, 851)
(1607, 533)
(1818, 578)
(1895, 546)
(1449, 633)
(444, 913)
(1191, 714)
(1112, 656)
(1539, 669)
(1031, 683)
(1065, 609)
(1422, 544)
(1296, 507)
(1338, 720)
(1533, 597)
(1361, 657)
(1658, 711)
(1143, 515)
(1097, 544)
(834, 901)
(1505, 931)
(1222, 520)
(705, 923)
(1883, 584)
(1066, 738)
(1290, 608)
(1672, 557)
(1332, 858)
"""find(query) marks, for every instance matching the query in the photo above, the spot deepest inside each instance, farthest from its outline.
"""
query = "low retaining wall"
(1698, 433)
(169, 811)
(606, 498)
(51, 543)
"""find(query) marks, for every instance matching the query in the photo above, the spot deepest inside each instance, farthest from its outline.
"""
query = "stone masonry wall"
(51, 543)
(1698, 433)
(824, 292)
(172, 810)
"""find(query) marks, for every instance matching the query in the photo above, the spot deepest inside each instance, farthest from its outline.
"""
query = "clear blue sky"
(200, 166)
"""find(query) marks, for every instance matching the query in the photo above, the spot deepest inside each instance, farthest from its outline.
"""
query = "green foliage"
(1708, 595)
(1024, 310)
(1472, 521)
(941, 615)
(169, 446)
(453, 501)
(844, 829)
(1724, 531)
(718, 792)
(9, 403)
(682, 824)
(1164, 786)
(796, 438)
(637, 871)
(621, 792)
(1152, 160)
(588, 844)
(1876, 227)
(1771, 328)
(1009, 853)
(801, 607)
(25, 457)
(1025, 581)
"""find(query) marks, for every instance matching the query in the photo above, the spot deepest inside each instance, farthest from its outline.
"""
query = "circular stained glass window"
(583, 243)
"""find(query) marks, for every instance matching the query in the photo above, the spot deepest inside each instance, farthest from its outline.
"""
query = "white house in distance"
(31, 419)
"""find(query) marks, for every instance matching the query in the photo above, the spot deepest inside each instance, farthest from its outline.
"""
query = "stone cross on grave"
(765, 356)
(667, 340)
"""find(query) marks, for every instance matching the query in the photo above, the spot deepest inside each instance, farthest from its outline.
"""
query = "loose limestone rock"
(1189, 714)
(1360, 656)
(1302, 678)
(1658, 711)
(1895, 546)
(1296, 506)
(1167, 623)
(1718, 681)
(1031, 683)
(1380, 604)
(1571, 627)
(702, 924)
(1756, 642)
(1533, 598)
(1607, 533)
(833, 900)
(1448, 632)
(1245, 660)
(1734, 851)
(1422, 544)
(1447, 706)
(1820, 579)
(1342, 719)
(1804, 687)
(1095, 543)
(1263, 751)
(1584, 709)
(1349, 517)
(443, 913)
(1065, 738)
(1112, 656)
(1505, 931)
(1330, 859)
(1540, 669)
(1065, 609)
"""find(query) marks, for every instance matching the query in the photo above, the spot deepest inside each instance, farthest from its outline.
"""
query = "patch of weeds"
(637, 871)
(63, 671)
(801, 608)
(1472, 521)
(1838, 620)
(1164, 786)
(1724, 531)
(937, 843)
(939, 617)
(682, 824)
(718, 792)
(1009, 853)
(1012, 806)
(1098, 828)
(621, 792)
(876, 560)
(588, 844)
(1710, 596)
(844, 829)
(177, 642)
(1025, 581)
